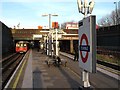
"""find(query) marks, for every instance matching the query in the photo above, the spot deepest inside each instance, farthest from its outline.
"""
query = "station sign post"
(87, 40)
(87, 47)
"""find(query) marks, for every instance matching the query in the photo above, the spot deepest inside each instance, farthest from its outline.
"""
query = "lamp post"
(85, 8)
(119, 13)
(49, 52)
(116, 12)
(49, 18)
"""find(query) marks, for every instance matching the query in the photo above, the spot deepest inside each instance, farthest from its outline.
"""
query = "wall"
(7, 39)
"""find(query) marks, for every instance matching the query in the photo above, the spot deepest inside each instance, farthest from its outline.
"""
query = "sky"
(29, 12)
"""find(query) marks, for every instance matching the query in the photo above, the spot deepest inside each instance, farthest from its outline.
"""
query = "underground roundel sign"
(87, 43)
(84, 48)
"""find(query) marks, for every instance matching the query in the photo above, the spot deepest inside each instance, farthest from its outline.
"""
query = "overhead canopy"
(37, 36)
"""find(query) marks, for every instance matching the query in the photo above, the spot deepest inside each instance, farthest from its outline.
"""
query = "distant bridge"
(28, 34)
(107, 37)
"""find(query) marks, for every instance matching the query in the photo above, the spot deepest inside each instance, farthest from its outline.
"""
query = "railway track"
(73, 67)
(113, 66)
(8, 67)
(110, 65)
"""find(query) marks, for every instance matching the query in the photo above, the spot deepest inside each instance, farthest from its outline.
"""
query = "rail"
(9, 65)
(110, 65)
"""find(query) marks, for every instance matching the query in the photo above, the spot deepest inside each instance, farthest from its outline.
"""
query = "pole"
(116, 12)
(119, 14)
(85, 74)
(47, 45)
(52, 43)
(48, 37)
(49, 52)
(49, 21)
(85, 78)
(56, 43)
(85, 9)
(49, 18)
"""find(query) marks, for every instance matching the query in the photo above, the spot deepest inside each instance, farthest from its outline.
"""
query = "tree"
(112, 19)
(63, 25)
(105, 21)
(119, 15)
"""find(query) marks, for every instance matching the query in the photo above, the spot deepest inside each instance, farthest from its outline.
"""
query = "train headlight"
(17, 45)
(25, 45)
(41, 46)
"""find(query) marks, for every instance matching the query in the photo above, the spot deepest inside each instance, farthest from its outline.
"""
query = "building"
(71, 25)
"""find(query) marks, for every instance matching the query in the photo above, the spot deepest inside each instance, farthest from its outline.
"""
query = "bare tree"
(108, 20)
(118, 15)
(113, 17)
(105, 21)
(101, 22)
(63, 25)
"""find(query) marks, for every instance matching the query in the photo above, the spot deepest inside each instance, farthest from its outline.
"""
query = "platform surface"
(39, 75)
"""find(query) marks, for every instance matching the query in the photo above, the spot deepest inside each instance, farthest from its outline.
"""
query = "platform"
(39, 75)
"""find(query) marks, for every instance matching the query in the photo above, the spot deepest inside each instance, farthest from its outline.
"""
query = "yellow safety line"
(18, 76)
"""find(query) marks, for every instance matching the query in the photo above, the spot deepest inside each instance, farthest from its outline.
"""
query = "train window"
(24, 45)
(21, 45)
(17, 45)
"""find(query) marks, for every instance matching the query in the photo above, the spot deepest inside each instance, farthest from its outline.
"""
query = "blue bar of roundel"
(85, 48)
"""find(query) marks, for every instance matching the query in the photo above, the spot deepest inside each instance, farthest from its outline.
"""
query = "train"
(21, 47)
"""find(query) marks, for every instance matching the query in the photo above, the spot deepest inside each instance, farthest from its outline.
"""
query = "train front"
(21, 47)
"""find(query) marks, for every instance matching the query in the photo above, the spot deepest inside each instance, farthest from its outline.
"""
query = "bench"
(56, 61)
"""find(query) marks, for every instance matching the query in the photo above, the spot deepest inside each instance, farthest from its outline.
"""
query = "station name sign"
(85, 48)
(87, 44)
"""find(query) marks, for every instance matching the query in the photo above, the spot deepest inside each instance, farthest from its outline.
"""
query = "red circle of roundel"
(84, 59)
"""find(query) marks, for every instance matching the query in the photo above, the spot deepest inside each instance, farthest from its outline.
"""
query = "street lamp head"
(54, 15)
(85, 3)
(80, 6)
(115, 2)
(49, 14)
(84, 7)
(116, 13)
(91, 6)
(45, 15)
(49, 18)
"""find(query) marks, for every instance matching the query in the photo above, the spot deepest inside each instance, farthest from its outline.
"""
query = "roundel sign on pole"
(84, 48)
(87, 44)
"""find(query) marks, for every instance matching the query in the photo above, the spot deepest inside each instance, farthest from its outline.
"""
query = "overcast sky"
(29, 12)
